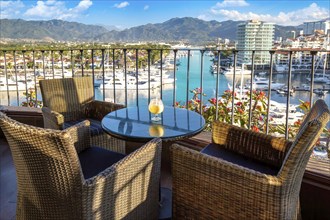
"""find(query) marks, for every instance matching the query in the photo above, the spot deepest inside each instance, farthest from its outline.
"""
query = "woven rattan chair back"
(48, 171)
(302, 147)
(67, 96)
(51, 184)
(214, 186)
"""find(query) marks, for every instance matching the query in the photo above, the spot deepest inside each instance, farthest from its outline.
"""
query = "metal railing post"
(288, 98)
(125, 72)
(312, 78)
(24, 63)
(72, 63)
(217, 86)
(6, 74)
(251, 88)
(174, 75)
(234, 85)
(114, 75)
(82, 62)
(62, 65)
(201, 83)
(149, 51)
(188, 75)
(103, 74)
(137, 75)
(16, 77)
(272, 52)
(53, 70)
(93, 71)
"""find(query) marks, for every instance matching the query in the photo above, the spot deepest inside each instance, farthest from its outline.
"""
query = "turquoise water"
(209, 85)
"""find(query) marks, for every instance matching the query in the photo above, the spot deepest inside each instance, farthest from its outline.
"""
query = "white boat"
(132, 84)
(261, 83)
(12, 85)
(278, 110)
(319, 92)
(155, 76)
(284, 91)
(281, 68)
(238, 71)
(65, 74)
(320, 79)
(303, 87)
(279, 118)
(57, 74)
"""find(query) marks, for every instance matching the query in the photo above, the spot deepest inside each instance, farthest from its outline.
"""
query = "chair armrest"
(259, 146)
(135, 179)
(52, 119)
(98, 109)
(80, 135)
(201, 181)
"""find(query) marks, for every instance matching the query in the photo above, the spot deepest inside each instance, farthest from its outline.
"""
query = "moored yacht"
(238, 71)
(261, 83)
(12, 85)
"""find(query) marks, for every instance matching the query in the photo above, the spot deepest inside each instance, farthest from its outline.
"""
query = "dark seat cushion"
(95, 127)
(94, 160)
(216, 150)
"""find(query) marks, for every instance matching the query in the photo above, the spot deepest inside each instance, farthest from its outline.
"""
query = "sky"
(130, 13)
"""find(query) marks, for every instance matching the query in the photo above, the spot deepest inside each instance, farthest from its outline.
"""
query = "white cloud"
(121, 5)
(52, 9)
(8, 9)
(311, 13)
(231, 3)
(84, 5)
(146, 7)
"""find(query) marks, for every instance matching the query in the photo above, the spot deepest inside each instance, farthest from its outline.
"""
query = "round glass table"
(135, 124)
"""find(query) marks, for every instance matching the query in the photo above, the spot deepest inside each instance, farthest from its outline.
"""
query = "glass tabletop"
(134, 124)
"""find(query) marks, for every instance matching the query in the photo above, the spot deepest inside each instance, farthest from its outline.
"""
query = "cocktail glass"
(156, 107)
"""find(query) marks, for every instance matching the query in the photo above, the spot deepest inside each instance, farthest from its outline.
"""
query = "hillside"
(57, 30)
(189, 29)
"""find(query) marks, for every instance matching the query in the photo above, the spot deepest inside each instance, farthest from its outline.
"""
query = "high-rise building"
(311, 27)
(254, 35)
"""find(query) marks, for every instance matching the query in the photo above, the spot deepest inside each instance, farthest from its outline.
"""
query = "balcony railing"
(20, 72)
(25, 68)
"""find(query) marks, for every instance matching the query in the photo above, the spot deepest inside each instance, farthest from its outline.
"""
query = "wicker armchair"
(60, 176)
(243, 174)
(71, 100)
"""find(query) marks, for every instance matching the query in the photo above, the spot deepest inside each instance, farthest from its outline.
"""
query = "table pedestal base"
(165, 203)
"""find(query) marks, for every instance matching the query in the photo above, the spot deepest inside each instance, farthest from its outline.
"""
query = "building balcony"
(189, 69)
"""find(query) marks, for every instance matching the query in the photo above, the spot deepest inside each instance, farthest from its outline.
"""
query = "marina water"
(209, 85)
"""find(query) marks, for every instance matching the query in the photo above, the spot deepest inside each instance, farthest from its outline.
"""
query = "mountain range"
(188, 29)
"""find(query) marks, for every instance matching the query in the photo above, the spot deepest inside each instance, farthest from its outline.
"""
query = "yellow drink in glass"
(156, 107)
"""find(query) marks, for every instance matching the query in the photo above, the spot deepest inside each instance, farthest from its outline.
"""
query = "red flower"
(239, 103)
(297, 123)
(213, 101)
(255, 128)
(240, 110)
